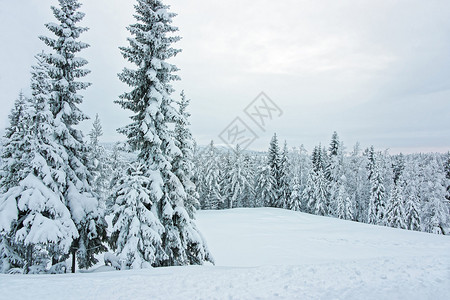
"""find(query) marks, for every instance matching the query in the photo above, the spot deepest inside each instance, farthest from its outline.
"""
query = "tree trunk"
(74, 252)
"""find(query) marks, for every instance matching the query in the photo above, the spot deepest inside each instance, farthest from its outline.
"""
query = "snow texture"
(281, 255)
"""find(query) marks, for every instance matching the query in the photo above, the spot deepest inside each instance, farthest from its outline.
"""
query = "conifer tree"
(376, 213)
(249, 188)
(398, 165)
(43, 225)
(321, 195)
(344, 207)
(16, 143)
(183, 164)
(150, 132)
(210, 179)
(99, 163)
(136, 233)
(334, 172)
(17, 155)
(370, 154)
(308, 199)
(358, 184)
(265, 190)
(395, 212)
(436, 212)
(294, 201)
(236, 185)
(284, 187)
(65, 70)
(447, 174)
(318, 159)
(275, 167)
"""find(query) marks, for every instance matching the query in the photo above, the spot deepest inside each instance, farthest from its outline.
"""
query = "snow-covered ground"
(272, 254)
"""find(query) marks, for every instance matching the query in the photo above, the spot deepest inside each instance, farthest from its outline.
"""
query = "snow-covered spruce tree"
(318, 159)
(285, 179)
(16, 154)
(334, 171)
(150, 134)
(265, 185)
(117, 164)
(409, 179)
(274, 162)
(43, 225)
(395, 212)
(376, 214)
(183, 165)
(99, 164)
(136, 233)
(387, 172)
(16, 144)
(209, 179)
(65, 70)
(320, 195)
(308, 199)
(344, 205)
(249, 174)
(236, 184)
(436, 212)
(370, 154)
(447, 174)
(294, 201)
(398, 165)
(334, 151)
(358, 184)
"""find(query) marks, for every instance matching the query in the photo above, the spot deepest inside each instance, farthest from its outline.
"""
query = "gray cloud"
(375, 71)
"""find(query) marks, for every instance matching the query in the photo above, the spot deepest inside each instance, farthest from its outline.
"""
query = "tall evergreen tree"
(344, 205)
(370, 154)
(136, 233)
(436, 213)
(334, 172)
(43, 223)
(16, 143)
(17, 155)
(285, 174)
(294, 201)
(358, 184)
(99, 164)
(274, 162)
(398, 165)
(308, 199)
(183, 164)
(318, 159)
(209, 179)
(376, 213)
(447, 174)
(65, 70)
(395, 212)
(411, 197)
(321, 196)
(150, 132)
(236, 181)
(265, 190)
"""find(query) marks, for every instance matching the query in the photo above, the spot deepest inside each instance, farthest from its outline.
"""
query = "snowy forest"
(67, 196)
(402, 191)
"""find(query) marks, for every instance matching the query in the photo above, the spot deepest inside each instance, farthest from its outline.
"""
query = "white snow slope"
(272, 254)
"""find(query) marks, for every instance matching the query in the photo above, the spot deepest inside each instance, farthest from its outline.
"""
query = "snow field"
(271, 254)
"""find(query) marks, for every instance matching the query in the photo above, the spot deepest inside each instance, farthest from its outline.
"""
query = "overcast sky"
(377, 72)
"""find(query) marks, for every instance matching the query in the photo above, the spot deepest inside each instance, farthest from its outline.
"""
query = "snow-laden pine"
(65, 70)
(152, 136)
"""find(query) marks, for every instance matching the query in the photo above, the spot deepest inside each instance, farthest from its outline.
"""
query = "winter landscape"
(165, 210)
